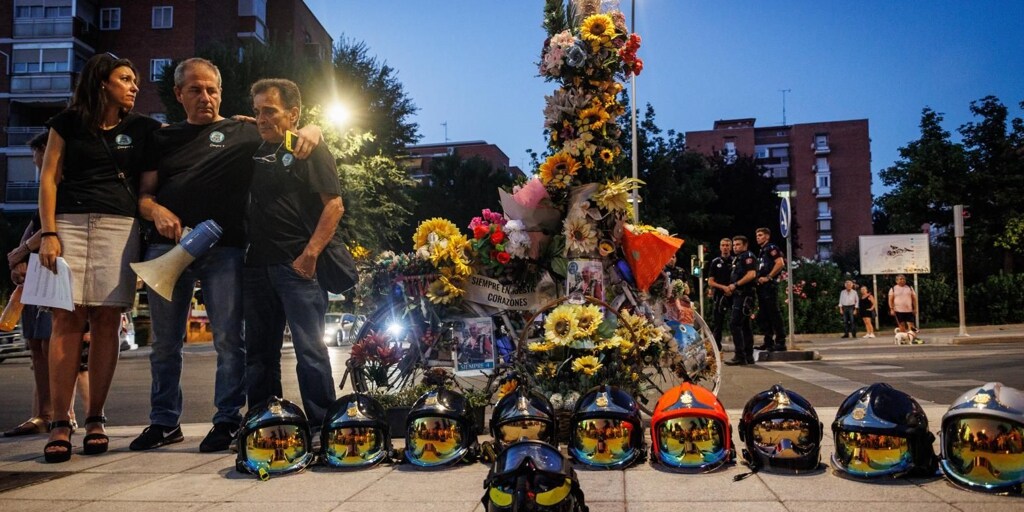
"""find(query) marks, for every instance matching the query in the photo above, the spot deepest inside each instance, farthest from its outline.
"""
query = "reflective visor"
(434, 441)
(544, 458)
(784, 438)
(691, 442)
(276, 449)
(546, 491)
(869, 455)
(515, 430)
(603, 442)
(353, 447)
(985, 452)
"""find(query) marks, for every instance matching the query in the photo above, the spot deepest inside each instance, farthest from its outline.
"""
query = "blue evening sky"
(472, 63)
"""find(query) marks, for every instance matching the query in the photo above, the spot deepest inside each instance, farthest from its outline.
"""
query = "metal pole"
(917, 310)
(958, 234)
(874, 291)
(632, 108)
(700, 280)
(789, 288)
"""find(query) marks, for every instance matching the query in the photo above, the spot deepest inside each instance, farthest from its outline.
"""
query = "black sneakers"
(219, 438)
(155, 436)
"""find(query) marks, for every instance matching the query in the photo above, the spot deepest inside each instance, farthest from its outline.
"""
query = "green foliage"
(997, 300)
(378, 204)
(936, 298)
(816, 287)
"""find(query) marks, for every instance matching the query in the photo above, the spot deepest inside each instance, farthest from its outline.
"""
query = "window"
(821, 141)
(824, 225)
(156, 68)
(63, 11)
(823, 181)
(823, 208)
(163, 16)
(730, 151)
(36, 60)
(29, 11)
(821, 164)
(159, 116)
(110, 19)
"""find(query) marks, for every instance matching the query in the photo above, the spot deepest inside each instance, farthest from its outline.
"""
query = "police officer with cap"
(719, 277)
(769, 318)
(744, 272)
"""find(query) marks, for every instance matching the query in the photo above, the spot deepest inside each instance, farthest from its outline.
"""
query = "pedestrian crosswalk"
(916, 377)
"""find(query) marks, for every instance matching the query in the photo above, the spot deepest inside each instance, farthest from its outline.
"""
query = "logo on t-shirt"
(123, 140)
(216, 137)
(287, 159)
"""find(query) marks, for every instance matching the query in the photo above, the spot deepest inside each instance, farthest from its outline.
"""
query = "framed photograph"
(585, 278)
(474, 345)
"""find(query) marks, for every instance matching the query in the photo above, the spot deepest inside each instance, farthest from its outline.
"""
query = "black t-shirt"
(720, 269)
(769, 253)
(742, 264)
(284, 203)
(204, 173)
(89, 179)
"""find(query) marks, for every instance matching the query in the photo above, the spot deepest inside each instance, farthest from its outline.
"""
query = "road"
(932, 373)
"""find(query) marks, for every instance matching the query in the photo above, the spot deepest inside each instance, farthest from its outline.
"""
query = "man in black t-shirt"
(769, 317)
(744, 271)
(719, 272)
(203, 167)
(294, 210)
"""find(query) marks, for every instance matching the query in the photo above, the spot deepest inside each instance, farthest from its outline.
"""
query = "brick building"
(825, 166)
(46, 43)
(418, 157)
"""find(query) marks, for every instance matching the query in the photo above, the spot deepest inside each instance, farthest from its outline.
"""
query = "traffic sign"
(784, 218)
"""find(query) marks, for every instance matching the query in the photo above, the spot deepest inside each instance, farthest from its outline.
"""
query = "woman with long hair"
(87, 204)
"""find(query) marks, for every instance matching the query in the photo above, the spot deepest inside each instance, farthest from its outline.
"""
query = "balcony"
(824, 215)
(43, 27)
(820, 148)
(821, 192)
(20, 135)
(22, 192)
(44, 83)
(254, 28)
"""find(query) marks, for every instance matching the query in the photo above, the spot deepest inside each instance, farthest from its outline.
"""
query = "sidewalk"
(978, 334)
(178, 478)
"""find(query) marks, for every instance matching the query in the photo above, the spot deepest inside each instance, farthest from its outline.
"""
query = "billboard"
(895, 254)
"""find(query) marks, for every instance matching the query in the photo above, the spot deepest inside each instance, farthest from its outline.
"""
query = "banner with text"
(490, 292)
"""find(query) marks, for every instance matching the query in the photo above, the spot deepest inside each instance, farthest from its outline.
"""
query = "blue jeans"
(220, 271)
(275, 294)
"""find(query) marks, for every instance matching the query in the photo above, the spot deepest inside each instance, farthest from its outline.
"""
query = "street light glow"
(338, 114)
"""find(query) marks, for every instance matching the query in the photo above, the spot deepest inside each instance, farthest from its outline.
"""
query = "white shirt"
(848, 298)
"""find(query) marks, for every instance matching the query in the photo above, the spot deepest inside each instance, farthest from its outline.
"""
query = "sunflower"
(598, 30)
(560, 326)
(593, 118)
(586, 364)
(613, 342)
(614, 195)
(443, 228)
(557, 171)
(507, 387)
(444, 290)
(580, 236)
(606, 155)
(588, 319)
(548, 370)
(540, 346)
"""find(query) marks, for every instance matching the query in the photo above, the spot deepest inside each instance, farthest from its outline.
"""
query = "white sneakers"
(869, 335)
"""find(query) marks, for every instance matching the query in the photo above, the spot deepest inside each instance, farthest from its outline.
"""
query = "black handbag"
(335, 268)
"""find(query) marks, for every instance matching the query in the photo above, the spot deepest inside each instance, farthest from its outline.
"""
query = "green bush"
(997, 300)
(816, 286)
(936, 298)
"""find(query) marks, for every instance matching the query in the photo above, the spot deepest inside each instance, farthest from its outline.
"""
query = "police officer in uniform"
(719, 278)
(769, 318)
(744, 272)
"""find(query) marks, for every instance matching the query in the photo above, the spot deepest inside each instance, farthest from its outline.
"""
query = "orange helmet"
(690, 430)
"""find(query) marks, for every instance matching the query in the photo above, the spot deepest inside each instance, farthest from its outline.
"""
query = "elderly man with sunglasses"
(294, 210)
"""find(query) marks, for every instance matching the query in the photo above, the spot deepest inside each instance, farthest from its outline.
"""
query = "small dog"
(909, 338)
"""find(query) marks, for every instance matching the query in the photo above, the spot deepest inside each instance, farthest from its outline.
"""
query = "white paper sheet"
(44, 288)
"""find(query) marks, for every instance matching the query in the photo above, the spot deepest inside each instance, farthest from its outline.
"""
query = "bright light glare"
(394, 329)
(338, 114)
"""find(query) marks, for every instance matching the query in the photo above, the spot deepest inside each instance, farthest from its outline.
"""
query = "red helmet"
(690, 430)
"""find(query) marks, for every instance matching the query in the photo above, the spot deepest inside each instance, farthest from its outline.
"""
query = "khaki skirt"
(98, 248)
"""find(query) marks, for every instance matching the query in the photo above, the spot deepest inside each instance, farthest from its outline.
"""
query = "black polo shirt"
(720, 269)
(741, 264)
(769, 252)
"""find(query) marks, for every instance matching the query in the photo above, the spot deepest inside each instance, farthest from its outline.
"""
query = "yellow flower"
(557, 171)
(507, 388)
(614, 195)
(625, 344)
(586, 364)
(560, 326)
(444, 290)
(580, 236)
(588, 162)
(606, 155)
(598, 29)
(443, 228)
(588, 319)
(548, 370)
(613, 342)
(540, 346)
(360, 253)
(593, 118)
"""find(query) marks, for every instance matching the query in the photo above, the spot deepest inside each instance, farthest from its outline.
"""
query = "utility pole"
(784, 91)
(445, 124)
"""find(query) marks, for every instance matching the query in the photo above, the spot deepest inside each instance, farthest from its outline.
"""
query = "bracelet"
(45, 234)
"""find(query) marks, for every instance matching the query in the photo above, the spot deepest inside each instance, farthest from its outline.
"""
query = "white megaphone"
(161, 274)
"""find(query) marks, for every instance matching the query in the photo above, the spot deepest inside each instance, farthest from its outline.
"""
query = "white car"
(341, 328)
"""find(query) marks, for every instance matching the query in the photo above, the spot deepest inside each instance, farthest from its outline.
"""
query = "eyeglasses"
(984, 453)
(268, 159)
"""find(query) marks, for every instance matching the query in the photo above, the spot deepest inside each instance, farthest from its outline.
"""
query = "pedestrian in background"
(848, 301)
(867, 309)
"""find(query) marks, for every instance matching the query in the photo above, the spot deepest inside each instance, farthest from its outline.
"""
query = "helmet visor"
(869, 455)
(276, 449)
(353, 447)
(544, 458)
(434, 440)
(784, 438)
(515, 430)
(984, 452)
(691, 442)
(603, 442)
